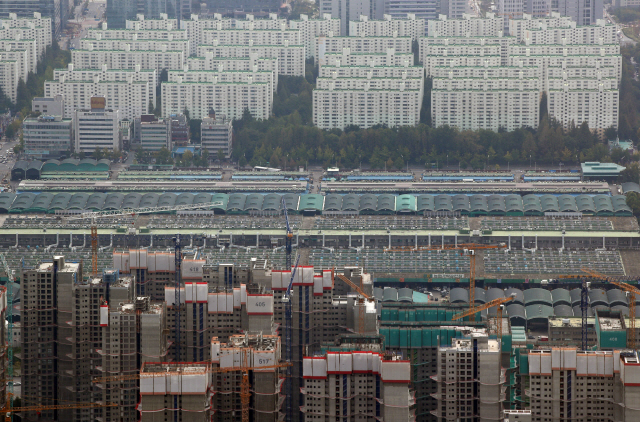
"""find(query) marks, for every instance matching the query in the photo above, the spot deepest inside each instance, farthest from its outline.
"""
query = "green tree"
(220, 155)
(163, 156)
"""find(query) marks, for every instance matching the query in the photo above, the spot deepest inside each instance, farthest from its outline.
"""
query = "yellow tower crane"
(495, 302)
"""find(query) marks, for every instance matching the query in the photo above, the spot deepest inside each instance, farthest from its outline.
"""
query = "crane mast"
(288, 353)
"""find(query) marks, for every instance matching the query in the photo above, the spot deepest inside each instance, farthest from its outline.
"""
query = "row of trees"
(289, 139)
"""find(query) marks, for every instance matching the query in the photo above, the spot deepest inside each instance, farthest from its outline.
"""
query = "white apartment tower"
(349, 10)
(310, 29)
(466, 25)
(406, 27)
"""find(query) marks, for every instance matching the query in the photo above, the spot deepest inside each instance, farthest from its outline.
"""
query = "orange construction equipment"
(39, 408)
(245, 386)
(361, 299)
(495, 302)
(465, 249)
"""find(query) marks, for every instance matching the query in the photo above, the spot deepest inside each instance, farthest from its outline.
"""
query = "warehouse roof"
(406, 203)
(563, 311)
(561, 297)
(519, 298)
(598, 297)
(459, 295)
(538, 313)
(537, 296)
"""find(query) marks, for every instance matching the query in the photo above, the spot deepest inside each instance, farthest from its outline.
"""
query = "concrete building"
(310, 29)
(565, 383)
(467, 25)
(155, 135)
(229, 98)
(433, 47)
(529, 21)
(472, 103)
(409, 26)
(592, 100)
(388, 58)
(349, 10)
(103, 33)
(49, 14)
(340, 102)
(454, 9)
(291, 58)
(599, 34)
(134, 332)
(9, 77)
(179, 130)
(474, 363)
(47, 136)
(334, 44)
(128, 58)
(175, 388)
(583, 12)
(51, 106)
(424, 9)
(9, 84)
(136, 44)
(128, 90)
(30, 31)
(363, 384)
(216, 133)
(537, 8)
(461, 55)
(209, 62)
(255, 350)
(97, 127)
(219, 75)
(510, 9)
(258, 36)
(163, 22)
(17, 44)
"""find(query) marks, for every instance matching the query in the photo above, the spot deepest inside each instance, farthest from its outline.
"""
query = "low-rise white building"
(50, 106)
(251, 63)
(601, 33)
(216, 133)
(347, 58)
(312, 28)
(388, 26)
(257, 36)
(334, 44)
(468, 25)
(128, 58)
(96, 127)
(142, 23)
(103, 33)
(437, 45)
(291, 58)
(230, 98)
(222, 76)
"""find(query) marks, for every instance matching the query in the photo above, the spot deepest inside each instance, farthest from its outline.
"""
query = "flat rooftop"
(610, 324)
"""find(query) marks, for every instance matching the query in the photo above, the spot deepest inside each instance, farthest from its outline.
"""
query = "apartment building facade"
(291, 58)
(310, 29)
(127, 58)
(407, 26)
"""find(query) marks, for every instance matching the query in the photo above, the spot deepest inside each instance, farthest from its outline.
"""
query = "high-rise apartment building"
(251, 63)
(291, 58)
(55, 12)
(312, 28)
(350, 10)
(491, 25)
(128, 58)
(583, 12)
(333, 44)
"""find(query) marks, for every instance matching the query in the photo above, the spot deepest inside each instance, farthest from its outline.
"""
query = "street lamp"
(529, 160)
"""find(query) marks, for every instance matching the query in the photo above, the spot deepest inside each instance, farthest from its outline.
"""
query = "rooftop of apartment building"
(181, 368)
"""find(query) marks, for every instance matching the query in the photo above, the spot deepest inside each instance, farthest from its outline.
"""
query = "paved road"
(89, 19)
(5, 168)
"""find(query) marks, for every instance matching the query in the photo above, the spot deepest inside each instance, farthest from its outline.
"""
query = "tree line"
(289, 137)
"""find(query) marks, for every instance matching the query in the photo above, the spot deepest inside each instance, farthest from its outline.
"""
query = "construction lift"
(9, 293)
(178, 285)
(288, 353)
(289, 235)
(499, 303)
(468, 249)
(361, 300)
